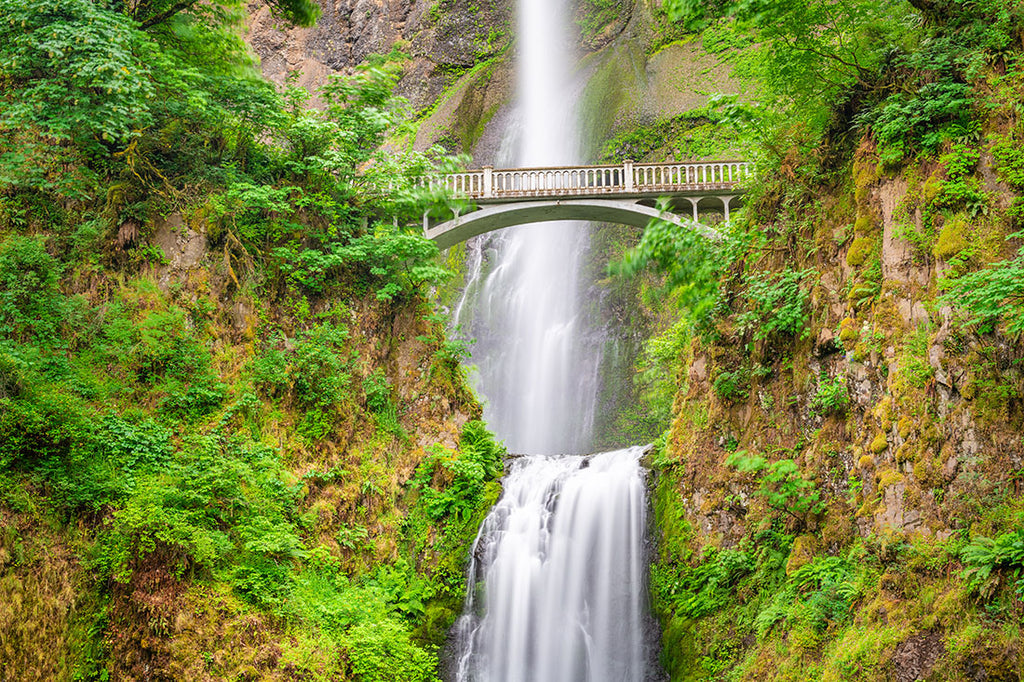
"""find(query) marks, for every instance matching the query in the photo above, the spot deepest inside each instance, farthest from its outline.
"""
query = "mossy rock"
(860, 251)
(865, 225)
(879, 444)
(849, 333)
(865, 174)
(802, 553)
(953, 238)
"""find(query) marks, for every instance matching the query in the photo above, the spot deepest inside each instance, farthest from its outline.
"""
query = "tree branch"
(160, 18)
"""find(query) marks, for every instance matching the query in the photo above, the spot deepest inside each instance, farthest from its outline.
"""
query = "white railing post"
(488, 178)
(627, 174)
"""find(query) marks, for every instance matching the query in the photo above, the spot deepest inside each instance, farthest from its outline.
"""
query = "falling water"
(536, 366)
(561, 566)
(556, 585)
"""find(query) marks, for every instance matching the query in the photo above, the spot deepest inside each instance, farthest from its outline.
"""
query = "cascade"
(556, 584)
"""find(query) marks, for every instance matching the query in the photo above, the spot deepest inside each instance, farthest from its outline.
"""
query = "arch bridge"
(625, 193)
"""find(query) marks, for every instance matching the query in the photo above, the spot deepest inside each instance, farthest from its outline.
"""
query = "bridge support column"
(725, 204)
(693, 202)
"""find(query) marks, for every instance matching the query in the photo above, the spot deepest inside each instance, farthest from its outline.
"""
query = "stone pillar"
(488, 182)
(694, 203)
(725, 204)
(627, 171)
(426, 223)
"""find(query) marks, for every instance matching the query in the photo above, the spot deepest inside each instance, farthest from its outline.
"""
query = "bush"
(777, 304)
(815, 595)
(31, 305)
(832, 396)
(706, 587)
(479, 461)
(379, 401)
(732, 386)
(986, 558)
(780, 483)
(991, 296)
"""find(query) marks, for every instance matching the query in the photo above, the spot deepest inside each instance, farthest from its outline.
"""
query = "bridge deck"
(626, 180)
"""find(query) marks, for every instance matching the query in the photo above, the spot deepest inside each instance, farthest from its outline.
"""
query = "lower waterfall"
(557, 581)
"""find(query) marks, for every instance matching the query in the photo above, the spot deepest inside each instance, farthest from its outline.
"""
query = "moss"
(879, 444)
(866, 462)
(865, 174)
(883, 412)
(932, 188)
(888, 478)
(849, 332)
(905, 427)
(804, 548)
(865, 225)
(860, 250)
(953, 238)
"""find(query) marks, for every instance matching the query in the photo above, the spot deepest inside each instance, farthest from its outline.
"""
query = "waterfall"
(537, 362)
(562, 566)
(556, 584)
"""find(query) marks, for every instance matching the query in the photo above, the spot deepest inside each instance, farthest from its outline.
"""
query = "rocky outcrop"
(442, 38)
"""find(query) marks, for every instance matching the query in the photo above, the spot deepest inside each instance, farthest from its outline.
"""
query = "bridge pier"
(694, 202)
(726, 200)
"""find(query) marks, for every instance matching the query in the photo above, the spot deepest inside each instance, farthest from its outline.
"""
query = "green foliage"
(479, 461)
(702, 589)
(992, 296)
(383, 652)
(696, 134)
(689, 261)
(732, 386)
(816, 595)
(217, 498)
(919, 120)
(777, 304)
(832, 396)
(31, 306)
(780, 483)
(596, 14)
(80, 71)
(379, 401)
(986, 558)
(806, 53)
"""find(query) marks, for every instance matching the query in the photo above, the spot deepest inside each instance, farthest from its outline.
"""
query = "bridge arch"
(499, 216)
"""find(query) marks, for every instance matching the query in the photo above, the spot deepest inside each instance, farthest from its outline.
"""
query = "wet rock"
(915, 657)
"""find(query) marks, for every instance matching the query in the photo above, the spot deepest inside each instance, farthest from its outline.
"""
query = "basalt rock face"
(442, 38)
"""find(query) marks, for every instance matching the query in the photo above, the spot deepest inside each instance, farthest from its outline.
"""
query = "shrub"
(479, 461)
(379, 401)
(780, 483)
(832, 396)
(706, 587)
(815, 595)
(732, 386)
(382, 652)
(991, 296)
(777, 304)
(986, 558)
(31, 305)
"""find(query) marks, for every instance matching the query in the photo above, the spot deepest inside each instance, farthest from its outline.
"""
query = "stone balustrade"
(628, 179)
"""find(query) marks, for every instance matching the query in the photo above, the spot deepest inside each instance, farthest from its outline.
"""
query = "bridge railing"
(627, 178)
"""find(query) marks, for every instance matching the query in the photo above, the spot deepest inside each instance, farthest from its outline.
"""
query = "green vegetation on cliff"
(234, 443)
(838, 496)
